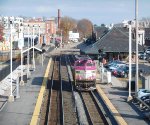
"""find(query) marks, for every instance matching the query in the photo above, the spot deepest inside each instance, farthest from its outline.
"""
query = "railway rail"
(65, 103)
(93, 111)
(55, 109)
(70, 116)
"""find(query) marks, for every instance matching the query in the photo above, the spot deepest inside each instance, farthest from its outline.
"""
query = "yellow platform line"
(111, 107)
(36, 113)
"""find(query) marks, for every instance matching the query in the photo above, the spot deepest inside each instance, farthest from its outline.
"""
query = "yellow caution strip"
(114, 111)
(36, 113)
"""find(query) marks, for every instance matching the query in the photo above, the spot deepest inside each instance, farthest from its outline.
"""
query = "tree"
(85, 28)
(1, 33)
(103, 25)
(67, 24)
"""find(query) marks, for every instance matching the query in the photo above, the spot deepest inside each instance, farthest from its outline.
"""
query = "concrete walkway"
(21, 110)
(117, 95)
(5, 85)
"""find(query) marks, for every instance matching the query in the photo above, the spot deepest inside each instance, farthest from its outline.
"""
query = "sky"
(97, 11)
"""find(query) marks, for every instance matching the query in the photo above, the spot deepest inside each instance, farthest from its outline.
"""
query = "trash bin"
(132, 85)
(108, 77)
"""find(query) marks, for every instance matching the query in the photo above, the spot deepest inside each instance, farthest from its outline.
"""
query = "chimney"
(58, 18)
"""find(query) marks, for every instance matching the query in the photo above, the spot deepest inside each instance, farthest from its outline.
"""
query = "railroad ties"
(55, 100)
(65, 105)
(61, 107)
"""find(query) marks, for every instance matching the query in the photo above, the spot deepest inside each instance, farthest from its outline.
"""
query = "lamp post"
(39, 35)
(33, 50)
(61, 39)
(11, 97)
(28, 56)
(21, 82)
(136, 23)
(130, 51)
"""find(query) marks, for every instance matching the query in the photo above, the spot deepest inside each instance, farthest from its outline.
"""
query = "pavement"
(20, 111)
(115, 96)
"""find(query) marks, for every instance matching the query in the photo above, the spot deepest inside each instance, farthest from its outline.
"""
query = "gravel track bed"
(54, 113)
(92, 109)
(70, 117)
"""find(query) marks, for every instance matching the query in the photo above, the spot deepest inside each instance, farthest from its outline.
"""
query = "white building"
(141, 32)
(73, 36)
(17, 30)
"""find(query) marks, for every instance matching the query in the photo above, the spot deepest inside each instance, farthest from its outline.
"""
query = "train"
(84, 73)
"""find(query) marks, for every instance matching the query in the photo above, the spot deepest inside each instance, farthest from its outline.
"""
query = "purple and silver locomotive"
(85, 73)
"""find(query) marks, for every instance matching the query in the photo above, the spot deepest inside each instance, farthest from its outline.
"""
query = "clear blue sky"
(97, 11)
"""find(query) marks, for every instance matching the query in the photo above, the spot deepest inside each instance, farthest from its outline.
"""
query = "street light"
(11, 97)
(28, 56)
(33, 49)
(39, 35)
(21, 26)
(130, 51)
(61, 40)
(136, 23)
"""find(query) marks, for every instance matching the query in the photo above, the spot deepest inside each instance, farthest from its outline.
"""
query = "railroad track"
(70, 116)
(92, 109)
(97, 105)
(64, 104)
(59, 105)
(55, 114)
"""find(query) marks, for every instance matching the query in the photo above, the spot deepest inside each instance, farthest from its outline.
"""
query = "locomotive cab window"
(90, 64)
(80, 64)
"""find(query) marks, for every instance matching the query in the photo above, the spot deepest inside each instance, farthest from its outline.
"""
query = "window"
(90, 64)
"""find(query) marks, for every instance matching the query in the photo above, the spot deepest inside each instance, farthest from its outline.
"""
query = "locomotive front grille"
(85, 85)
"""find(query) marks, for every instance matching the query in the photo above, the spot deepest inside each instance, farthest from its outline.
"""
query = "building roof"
(116, 40)
(100, 31)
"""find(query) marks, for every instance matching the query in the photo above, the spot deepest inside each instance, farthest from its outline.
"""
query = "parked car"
(118, 71)
(147, 51)
(124, 71)
(141, 53)
(143, 92)
(143, 56)
(148, 58)
(110, 63)
(115, 64)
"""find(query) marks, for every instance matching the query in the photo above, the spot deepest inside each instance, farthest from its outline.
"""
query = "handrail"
(142, 102)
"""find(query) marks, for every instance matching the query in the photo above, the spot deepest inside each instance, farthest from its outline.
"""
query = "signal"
(100, 50)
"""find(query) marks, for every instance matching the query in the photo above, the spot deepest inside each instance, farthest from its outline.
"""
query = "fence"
(5, 63)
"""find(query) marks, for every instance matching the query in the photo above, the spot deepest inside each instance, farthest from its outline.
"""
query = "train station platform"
(21, 110)
(115, 96)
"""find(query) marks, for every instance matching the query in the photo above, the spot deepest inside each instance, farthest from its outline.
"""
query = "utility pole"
(130, 65)
(33, 50)
(28, 55)
(21, 42)
(39, 35)
(11, 97)
(61, 40)
(136, 23)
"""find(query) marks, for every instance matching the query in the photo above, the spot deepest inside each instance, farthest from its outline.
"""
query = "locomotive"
(85, 73)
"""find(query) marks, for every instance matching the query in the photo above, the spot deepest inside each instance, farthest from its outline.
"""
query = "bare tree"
(85, 28)
(67, 24)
